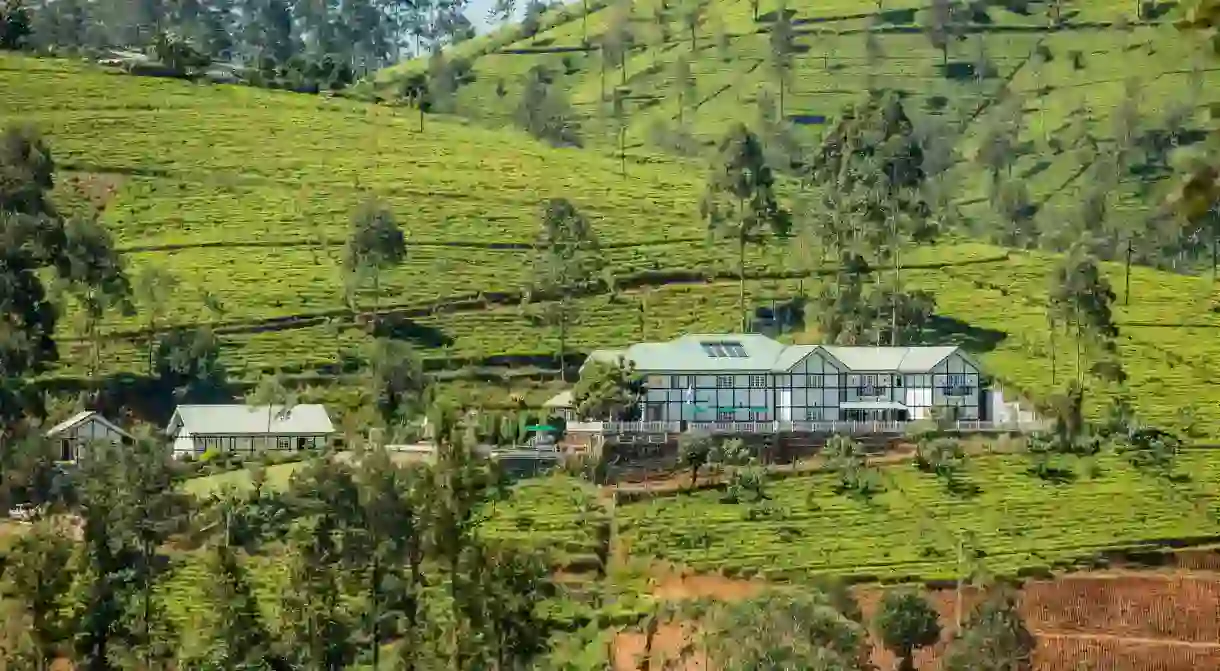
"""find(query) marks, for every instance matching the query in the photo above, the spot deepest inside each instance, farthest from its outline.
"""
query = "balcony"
(772, 428)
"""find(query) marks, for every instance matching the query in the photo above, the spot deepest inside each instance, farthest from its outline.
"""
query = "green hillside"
(1069, 81)
(246, 193)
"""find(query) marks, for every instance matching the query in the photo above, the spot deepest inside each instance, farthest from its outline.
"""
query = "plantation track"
(411, 242)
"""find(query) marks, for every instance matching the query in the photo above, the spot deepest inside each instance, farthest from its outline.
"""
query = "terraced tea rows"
(912, 529)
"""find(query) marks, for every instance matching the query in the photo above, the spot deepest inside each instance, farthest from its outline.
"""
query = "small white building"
(83, 428)
(244, 428)
(752, 378)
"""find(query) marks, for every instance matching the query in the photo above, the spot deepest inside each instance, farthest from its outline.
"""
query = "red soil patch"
(1152, 621)
(93, 188)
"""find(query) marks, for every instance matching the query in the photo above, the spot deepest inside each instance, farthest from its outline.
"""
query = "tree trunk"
(1215, 243)
(584, 23)
(455, 654)
(622, 150)
(1054, 358)
(603, 73)
(374, 603)
(781, 99)
(897, 287)
(563, 339)
(376, 299)
(741, 278)
(1127, 276)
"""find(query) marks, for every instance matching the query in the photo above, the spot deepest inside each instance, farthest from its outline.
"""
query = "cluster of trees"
(268, 35)
(822, 627)
(364, 561)
(370, 559)
(46, 255)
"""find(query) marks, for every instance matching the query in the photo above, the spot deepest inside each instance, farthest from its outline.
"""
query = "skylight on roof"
(724, 350)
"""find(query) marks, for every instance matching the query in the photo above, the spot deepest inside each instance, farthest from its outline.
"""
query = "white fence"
(847, 428)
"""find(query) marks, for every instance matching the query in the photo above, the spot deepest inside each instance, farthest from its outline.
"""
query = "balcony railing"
(848, 428)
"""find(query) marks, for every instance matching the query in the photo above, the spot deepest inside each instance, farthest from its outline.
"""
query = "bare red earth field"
(1119, 621)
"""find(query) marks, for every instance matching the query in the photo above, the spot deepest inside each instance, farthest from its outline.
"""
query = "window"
(724, 381)
(957, 384)
(815, 381)
(897, 380)
(725, 415)
(758, 381)
(813, 414)
(656, 382)
(675, 382)
(734, 349)
(757, 416)
(283, 443)
(868, 386)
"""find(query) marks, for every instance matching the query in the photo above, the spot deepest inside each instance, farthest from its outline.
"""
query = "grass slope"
(1062, 98)
(246, 193)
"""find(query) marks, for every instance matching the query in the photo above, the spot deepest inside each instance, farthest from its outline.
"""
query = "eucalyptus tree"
(129, 508)
(36, 239)
(36, 581)
(782, 45)
(995, 637)
(273, 392)
(391, 535)
(568, 262)
(153, 288)
(375, 243)
(685, 86)
(942, 25)
(691, 13)
(1081, 298)
(740, 199)
(617, 41)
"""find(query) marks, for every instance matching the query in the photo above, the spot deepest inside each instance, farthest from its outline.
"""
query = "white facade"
(806, 383)
(81, 429)
(239, 428)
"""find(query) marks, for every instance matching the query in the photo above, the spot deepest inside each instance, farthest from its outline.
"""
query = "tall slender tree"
(567, 263)
(782, 46)
(375, 243)
(740, 200)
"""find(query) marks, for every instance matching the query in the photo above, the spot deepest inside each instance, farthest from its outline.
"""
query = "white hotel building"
(752, 378)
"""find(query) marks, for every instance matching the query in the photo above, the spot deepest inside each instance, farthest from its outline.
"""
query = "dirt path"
(1108, 638)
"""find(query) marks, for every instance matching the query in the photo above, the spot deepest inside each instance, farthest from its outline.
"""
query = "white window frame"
(726, 416)
(758, 381)
(724, 381)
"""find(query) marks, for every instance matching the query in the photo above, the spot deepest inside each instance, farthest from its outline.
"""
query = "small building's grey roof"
(79, 419)
(561, 400)
(760, 353)
(899, 359)
(232, 419)
(872, 405)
